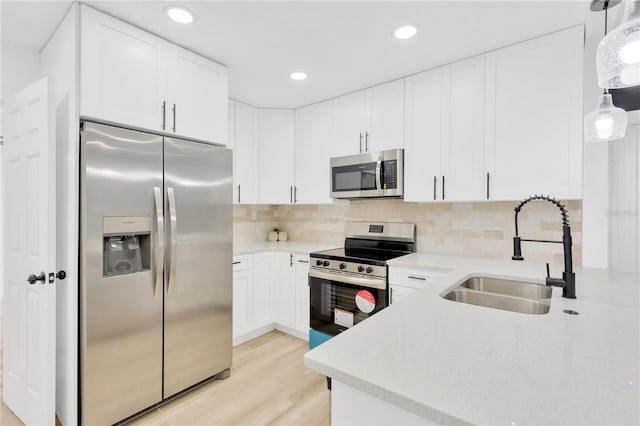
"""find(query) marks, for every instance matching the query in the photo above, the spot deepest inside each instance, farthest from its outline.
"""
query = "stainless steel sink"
(507, 295)
(523, 289)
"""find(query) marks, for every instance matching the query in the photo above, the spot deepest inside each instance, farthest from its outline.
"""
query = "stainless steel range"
(349, 284)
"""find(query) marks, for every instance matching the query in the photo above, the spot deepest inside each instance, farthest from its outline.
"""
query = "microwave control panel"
(390, 174)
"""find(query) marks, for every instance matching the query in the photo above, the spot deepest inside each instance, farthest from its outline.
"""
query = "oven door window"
(357, 177)
(337, 306)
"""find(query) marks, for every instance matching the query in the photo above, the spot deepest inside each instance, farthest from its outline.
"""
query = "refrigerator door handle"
(157, 195)
(173, 254)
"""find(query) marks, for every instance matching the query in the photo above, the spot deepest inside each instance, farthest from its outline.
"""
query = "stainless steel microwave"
(369, 175)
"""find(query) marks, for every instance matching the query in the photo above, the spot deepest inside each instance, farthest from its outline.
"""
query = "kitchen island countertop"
(451, 362)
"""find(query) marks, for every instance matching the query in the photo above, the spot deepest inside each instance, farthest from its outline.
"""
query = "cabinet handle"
(391, 295)
(303, 261)
(290, 259)
(174, 118)
(360, 143)
(413, 277)
(295, 194)
(488, 177)
(238, 194)
(435, 182)
(366, 141)
(442, 187)
(164, 115)
(237, 263)
(291, 194)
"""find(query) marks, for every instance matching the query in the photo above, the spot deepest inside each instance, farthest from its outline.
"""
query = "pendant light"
(618, 55)
(607, 122)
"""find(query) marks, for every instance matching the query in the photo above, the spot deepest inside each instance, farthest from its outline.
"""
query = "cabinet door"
(463, 131)
(313, 135)
(351, 117)
(534, 117)
(423, 138)
(246, 154)
(302, 292)
(242, 289)
(122, 76)
(261, 299)
(285, 289)
(275, 156)
(397, 293)
(197, 97)
(231, 141)
(386, 125)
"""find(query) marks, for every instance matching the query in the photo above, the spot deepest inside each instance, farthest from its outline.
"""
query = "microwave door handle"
(379, 174)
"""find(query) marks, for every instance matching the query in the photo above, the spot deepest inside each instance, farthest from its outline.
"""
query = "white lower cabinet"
(404, 281)
(270, 290)
(301, 264)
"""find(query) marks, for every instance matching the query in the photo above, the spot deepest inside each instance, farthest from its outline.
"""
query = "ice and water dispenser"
(126, 245)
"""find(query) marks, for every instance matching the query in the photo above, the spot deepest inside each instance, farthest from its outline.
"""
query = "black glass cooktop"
(367, 256)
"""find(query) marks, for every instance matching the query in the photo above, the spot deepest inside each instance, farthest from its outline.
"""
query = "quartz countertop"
(455, 363)
(288, 246)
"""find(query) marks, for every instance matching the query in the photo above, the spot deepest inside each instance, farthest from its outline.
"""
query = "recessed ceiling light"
(180, 14)
(405, 32)
(298, 75)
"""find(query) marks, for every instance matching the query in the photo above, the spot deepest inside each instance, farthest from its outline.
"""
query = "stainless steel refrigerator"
(155, 269)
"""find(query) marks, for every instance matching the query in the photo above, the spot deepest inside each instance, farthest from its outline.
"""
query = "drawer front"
(413, 278)
(242, 262)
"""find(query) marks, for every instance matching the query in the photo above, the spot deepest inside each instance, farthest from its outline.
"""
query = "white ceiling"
(343, 45)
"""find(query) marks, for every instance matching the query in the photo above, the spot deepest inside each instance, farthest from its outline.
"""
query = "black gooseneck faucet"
(568, 280)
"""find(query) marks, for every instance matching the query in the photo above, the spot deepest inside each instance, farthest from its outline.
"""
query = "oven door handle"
(379, 173)
(377, 283)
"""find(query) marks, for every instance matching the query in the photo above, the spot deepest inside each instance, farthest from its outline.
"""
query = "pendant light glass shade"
(618, 55)
(606, 123)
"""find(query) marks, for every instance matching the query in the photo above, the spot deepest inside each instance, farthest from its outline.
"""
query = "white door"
(423, 141)
(285, 289)
(29, 327)
(275, 156)
(386, 127)
(242, 286)
(260, 306)
(313, 133)
(534, 117)
(302, 293)
(463, 138)
(246, 154)
(197, 97)
(122, 73)
(351, 117)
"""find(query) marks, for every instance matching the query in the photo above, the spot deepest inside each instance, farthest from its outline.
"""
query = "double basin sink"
(508, 295)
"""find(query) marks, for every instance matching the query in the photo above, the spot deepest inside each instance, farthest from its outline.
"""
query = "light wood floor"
(269, 385)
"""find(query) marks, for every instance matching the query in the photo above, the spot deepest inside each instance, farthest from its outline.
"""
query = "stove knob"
(343, 265)
(318, 262)
(360, 268)
(369, 269)
(325, 263)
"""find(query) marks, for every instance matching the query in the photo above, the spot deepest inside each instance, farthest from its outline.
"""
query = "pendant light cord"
(605, 6)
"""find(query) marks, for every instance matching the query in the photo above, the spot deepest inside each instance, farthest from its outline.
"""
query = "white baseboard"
(293, 332)
(267, 328)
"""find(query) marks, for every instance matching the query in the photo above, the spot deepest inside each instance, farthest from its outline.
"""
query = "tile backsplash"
(482, 229)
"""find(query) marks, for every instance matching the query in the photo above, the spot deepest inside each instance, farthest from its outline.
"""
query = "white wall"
(19, 67)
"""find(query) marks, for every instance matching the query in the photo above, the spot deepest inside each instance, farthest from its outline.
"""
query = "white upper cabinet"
(386, 122)
(246, 154)
(121, 78)
(350, 123)
(534, 117)
(133, 78)
(463, 169)
(197, 96)
(369, 120)
(444, 145)
(423, 138)
(275, 154)
(313, 137)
